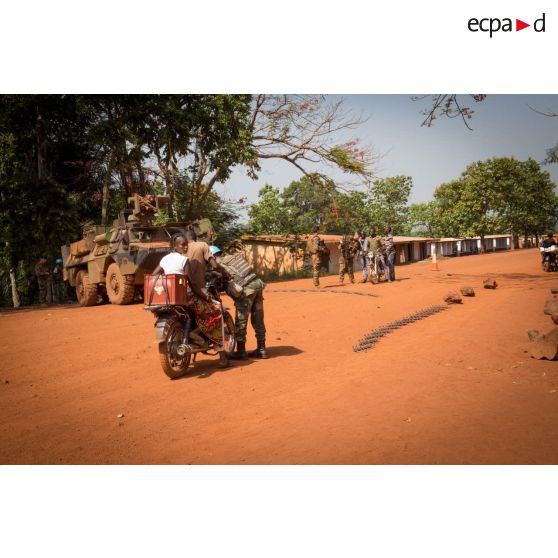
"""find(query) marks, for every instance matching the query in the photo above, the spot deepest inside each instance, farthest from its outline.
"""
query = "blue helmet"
(58, 260)
(215, 250)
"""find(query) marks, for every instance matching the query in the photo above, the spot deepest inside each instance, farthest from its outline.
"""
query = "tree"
(389, 198)
(309, 201)
(269, 215)
(530, 205)
(448, 106)
(314, 200)
(45, 183)
(305, 130)
(498, 195)
(176, 141)
(425, 219)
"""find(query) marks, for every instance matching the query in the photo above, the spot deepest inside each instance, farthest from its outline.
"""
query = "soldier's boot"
(260, 352)
(240, 353)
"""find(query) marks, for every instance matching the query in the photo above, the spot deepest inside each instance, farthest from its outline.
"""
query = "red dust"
(83, 385)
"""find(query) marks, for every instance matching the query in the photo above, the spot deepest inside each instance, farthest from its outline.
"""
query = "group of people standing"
(377, 254)
(51, 283)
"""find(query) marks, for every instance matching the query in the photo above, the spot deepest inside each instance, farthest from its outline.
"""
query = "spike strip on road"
(319, 291)
(368, 341)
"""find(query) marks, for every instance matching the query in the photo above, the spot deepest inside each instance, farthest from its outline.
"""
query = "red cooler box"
(167, 289)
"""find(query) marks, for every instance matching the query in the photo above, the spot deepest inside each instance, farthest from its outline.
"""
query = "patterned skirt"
(209, 319)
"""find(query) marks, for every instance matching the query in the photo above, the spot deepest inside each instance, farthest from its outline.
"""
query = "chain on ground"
(368, 341)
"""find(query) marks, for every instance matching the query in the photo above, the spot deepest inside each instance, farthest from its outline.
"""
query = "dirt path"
(457, 387)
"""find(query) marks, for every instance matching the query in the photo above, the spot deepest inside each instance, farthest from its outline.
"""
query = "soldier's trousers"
(249, 306)
(346, 265)
(43, 289)
(59, 291)
(316, 264)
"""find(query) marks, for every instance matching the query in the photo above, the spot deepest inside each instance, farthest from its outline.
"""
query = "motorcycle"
(375, 267)
(176, 332)
(549, 262)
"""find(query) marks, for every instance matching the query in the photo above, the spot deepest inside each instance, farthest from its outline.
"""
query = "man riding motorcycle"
(548, 253)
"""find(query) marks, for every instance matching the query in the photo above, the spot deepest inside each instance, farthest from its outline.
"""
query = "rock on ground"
(467, 291)
(551, 306)
(545, 346)
(489, 284)
(453, 298)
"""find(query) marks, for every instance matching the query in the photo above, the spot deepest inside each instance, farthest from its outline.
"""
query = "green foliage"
(346, 160)
(61, 154)
(388, 198)
(269, 215)
(162, 218)
(497, 195)
(309, 202)
(551, 155)
(315, 200)
(425, 219)
(223, 214)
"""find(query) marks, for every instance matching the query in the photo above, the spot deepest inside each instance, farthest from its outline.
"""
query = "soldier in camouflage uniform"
(315, 250)
(247, 293)
(348, 250)
(42, 275)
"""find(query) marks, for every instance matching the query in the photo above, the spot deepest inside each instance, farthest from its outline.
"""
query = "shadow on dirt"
(508, 279)
(39, 308)
(282, 351)
(206, 368)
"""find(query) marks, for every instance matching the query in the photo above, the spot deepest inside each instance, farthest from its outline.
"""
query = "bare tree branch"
(448, 106)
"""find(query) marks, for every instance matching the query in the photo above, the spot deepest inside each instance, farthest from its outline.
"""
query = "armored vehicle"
(109, 263)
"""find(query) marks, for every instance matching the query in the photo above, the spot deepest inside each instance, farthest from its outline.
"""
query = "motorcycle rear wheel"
(173, 365)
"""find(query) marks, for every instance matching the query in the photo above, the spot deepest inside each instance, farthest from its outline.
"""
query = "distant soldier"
(42, 274)
(348, 249)
(389, 255)
(376, 247)
(248, 301)
(315, 250)
(58, 286)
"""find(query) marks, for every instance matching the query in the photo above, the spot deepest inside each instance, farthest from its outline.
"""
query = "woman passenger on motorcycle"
(207, 310)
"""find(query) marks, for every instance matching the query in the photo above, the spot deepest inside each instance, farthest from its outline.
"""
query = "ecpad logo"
(493, 25)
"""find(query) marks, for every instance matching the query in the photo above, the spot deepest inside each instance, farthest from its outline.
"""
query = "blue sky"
(503, 125)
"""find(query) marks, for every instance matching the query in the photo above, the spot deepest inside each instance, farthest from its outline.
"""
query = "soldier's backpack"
(310, 248)
(239, 270)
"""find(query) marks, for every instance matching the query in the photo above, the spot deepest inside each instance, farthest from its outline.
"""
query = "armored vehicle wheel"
(87, 293)
(172, 364)
(120, 287)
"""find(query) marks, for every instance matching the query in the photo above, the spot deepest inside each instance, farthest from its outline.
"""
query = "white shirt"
(173, 263)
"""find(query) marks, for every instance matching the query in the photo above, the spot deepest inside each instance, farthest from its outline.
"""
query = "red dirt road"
(457, 387)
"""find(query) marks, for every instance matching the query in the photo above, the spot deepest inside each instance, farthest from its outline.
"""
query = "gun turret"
(145, 208)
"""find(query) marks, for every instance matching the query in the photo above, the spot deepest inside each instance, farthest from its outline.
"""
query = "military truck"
(109, 262)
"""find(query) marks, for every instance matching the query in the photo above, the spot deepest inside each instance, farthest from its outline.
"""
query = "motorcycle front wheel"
(173, 365)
